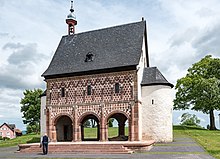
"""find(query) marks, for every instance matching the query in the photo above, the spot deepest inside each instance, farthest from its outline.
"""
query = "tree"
(200, 88)
(87, 124)
(31, 109)
(33, 128)
(189, 119)
(110, 122)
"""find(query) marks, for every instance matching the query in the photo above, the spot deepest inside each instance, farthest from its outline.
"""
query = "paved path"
(181, 148)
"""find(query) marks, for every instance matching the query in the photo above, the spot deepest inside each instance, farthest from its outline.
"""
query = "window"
(89, 57)
(89, 90)
(116, 87)
(62, 92)
(0, 133)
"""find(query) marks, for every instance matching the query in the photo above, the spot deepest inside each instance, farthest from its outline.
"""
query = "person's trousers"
(45, 148)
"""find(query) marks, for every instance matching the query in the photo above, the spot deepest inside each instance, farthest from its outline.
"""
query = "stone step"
(89, 148)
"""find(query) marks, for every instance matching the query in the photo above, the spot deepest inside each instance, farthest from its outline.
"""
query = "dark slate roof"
(114, 47)
(152, 76)
(12, 126)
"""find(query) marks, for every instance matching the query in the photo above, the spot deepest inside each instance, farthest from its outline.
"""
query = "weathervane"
(71, 9)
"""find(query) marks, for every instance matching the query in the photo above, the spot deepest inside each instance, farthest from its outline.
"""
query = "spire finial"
(71, 20)
(71, 9)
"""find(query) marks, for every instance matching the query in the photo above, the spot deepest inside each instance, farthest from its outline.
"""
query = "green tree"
(87, 124)
(189, 119)
(30, 107)
(110, 122)
(200, 89)
(33, 128)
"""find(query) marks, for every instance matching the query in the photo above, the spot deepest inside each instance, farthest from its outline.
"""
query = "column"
(75, 124)
(102, 124)
(131, 124)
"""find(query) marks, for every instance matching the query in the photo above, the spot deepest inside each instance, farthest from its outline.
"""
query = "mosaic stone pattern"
(102, 89)
(69, 97)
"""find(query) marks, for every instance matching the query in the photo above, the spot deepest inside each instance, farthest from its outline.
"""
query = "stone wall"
(157, 108)
(102, 88)
(43, 116)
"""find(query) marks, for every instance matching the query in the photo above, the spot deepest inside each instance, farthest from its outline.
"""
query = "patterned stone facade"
(97, 95)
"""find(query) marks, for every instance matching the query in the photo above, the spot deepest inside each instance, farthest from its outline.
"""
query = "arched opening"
(64, 129)
(118, 127)
(90, 128)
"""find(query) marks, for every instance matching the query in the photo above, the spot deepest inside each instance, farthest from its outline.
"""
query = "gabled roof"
(12, 126)
(8, 126)
(152, 76)
(109, 48)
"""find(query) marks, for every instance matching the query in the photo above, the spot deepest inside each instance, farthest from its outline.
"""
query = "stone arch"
(83, 119)
(54, 120)
(116, 112)
(64, 128)
(121, 117)
(86, 114)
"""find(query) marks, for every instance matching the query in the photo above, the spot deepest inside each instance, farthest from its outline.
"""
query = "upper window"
(62, 92)
(117, 87)
(89, 90)
(89, 57)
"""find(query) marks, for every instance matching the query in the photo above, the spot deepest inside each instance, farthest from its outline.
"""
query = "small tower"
(71, 21)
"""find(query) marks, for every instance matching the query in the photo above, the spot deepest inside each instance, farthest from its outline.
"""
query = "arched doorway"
(119, 129)
(90, 128)
(64, 129)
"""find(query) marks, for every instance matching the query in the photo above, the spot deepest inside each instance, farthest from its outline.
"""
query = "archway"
(120, 122)
(90, 128)
(64, 129)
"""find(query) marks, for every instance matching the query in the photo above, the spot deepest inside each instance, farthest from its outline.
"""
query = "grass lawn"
(208, 139)
(112, 132)
(20, 140)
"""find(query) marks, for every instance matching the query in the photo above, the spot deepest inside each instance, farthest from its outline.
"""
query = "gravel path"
(181, 148)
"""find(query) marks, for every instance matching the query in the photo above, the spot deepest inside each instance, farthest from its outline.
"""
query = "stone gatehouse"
(105, 74)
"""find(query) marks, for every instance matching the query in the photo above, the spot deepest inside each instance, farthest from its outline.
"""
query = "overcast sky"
(180, 32)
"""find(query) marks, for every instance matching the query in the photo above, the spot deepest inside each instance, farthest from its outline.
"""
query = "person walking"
(45, 141)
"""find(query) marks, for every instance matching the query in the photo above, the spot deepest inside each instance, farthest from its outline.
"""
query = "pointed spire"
(71, 20)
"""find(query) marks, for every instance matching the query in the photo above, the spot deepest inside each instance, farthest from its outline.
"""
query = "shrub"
(5, 138)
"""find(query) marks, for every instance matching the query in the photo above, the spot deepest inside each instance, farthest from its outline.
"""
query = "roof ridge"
(111, 27)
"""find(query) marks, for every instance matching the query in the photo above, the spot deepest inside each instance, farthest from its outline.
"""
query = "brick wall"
(69, 96)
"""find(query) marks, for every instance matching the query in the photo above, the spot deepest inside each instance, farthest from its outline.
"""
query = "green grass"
(208, 139)
(30, 138)
(112, 132)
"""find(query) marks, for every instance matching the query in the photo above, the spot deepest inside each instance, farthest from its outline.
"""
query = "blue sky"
(180, 32)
